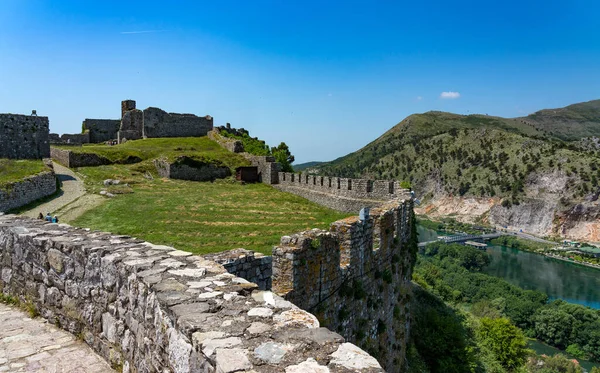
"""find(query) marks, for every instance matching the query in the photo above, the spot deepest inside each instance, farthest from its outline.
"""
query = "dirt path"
(33, 345)
(71, 202)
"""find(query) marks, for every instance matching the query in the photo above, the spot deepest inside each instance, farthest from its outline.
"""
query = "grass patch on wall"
(200, 148)
(204, 217)
(14, 170)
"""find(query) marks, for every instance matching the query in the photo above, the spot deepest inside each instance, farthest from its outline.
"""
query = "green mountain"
(303, 166)
(532, 167)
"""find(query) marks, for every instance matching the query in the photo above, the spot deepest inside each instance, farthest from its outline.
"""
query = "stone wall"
(254, 267)
(343, 194)
(73, 139)
(159, 123)
(356, 278)
(151, 308)
(185, 168)
(102, 130)
(30, 189)
(24, 137)
(233, 145)
(72, 159)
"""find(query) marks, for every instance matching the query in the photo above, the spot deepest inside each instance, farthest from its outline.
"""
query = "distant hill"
(569, 123)
(304, 166)
(516, 164)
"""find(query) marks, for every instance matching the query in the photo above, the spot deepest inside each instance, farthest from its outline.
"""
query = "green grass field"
(12, 170)
(207, 217)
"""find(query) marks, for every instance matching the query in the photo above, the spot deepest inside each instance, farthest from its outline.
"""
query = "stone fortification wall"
(268, 168)
(355, 278)
(349, 195)
(102, 130)
(151, 308)
(72, 159)
(24, 137)
(185, 168)
(233, 145)
(70, 139)
(254, 267)
(30, 189)
(159, 123)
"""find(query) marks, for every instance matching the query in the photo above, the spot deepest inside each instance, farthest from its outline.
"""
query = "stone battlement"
(355, 277)
(151, 308)
(342, 194)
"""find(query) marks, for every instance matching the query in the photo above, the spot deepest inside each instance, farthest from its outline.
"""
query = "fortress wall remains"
(101, 130)
(24, 136)
(356, 278)
(30, 189)
(159, 123)
(343, 194)
(72, 159)
(254, 267)
(151, 308)
(66, 139)
(195, 171)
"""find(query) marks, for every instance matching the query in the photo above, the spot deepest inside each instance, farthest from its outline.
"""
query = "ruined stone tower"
(132, 122)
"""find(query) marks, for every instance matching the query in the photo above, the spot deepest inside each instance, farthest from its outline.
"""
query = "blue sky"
(325, 77)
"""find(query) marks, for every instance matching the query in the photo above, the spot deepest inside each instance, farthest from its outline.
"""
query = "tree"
(506, 341)
(283, 156)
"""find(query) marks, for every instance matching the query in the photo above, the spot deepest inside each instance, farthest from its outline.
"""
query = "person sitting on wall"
(41, 216)
(55, 219)
(48, 217)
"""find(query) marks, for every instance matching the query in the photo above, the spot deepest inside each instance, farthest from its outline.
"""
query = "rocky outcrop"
(151, 308)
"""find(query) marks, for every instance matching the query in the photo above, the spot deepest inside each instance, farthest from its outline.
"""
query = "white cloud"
(450, 95)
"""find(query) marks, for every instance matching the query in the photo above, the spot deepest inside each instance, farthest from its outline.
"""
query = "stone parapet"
(356, 278)
(343, 194)
(151, 308)
(15, 195)
(185, 168)
(254, 267)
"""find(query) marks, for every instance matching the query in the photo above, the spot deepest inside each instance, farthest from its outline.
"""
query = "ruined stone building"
(24, 136)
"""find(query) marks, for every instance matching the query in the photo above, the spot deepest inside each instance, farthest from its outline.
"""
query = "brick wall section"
(159, 123)
(102, 130)
(24, 137)
(355, 278)
(343, 194)
(254, 267)
(151, 308)
(205, 172)
(30, 189)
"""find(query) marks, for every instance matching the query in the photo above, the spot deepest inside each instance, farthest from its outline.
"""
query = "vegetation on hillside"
(255, 146)
(13, 170)
(478, 155)
(477, 322)
(569, 123)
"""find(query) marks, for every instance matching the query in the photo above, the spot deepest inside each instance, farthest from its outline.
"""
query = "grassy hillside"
(569, 123)
(12, 170)
(304, 166)
(195, 216)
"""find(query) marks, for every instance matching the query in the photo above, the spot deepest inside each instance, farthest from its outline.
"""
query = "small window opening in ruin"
(329, 182)
(369, 186)
(314, 180)
(292, 178)
(339, 184)
(321, 180)
(284, 176)
(306, 181)
(391, 187)
(349, 184)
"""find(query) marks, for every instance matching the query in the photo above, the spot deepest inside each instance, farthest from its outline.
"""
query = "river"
(557, 278)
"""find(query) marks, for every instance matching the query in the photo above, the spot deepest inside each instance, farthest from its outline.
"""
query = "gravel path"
(72, 189)
(34, 345)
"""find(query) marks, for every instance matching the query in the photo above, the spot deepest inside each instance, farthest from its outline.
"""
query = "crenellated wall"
(341, 194)
(15, 195)
(355, 277)
(151, 308)
(254, 267)
(24, 136)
